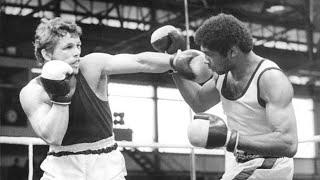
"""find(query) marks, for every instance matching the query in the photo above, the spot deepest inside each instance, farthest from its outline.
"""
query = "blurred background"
(148, 108)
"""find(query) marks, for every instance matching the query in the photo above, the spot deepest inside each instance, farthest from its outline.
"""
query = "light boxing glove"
(58, 81)
(210, 131)
(167, 39)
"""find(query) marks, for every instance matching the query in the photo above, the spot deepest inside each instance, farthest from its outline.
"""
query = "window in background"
(136, 102)
(305, 123)
(174, 117)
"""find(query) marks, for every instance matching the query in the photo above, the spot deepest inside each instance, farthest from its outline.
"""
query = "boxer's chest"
(235, 89)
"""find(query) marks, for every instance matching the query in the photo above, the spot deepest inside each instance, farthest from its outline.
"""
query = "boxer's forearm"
(53, 126)
(273, 144)
(199, 98)
(154, 62)
(190, 92)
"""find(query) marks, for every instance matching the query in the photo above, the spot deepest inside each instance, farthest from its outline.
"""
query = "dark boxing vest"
(90, 118)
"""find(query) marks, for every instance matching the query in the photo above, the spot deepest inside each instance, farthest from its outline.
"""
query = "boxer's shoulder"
(94, 63)
(33, 86)
(92, 69)
(33, 95)
(272, 77)
(94, 58)
(275, 84)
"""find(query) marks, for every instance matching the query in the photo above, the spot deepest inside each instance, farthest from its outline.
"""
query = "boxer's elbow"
(290, 146)
(198, 107)
(290, 151)
(51, 141)
(49, 138)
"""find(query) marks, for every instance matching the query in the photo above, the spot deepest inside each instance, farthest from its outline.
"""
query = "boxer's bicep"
(277, 91)
(33, 106)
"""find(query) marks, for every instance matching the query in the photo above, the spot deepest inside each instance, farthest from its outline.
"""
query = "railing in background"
(31, 141)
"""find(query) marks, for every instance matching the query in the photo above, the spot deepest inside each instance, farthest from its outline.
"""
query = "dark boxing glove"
(58, 81)
(180, 63)
(210, 131)
(168, 39)
(191, 65)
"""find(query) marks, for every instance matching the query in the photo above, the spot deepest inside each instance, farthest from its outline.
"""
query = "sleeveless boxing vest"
(90, 118)
(246, 113)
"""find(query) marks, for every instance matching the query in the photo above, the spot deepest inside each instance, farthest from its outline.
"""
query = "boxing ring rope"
(31, 141)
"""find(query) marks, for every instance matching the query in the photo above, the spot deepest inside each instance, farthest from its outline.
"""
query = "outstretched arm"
(149, 62)
(277, 91)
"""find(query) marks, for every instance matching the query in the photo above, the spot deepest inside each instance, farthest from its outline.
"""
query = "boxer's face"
(216, 61)
(68, 49)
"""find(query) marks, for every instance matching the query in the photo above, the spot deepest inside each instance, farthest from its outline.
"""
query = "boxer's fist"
(168, 39)
(58, 81)
(191, 65)
(200, 69)
(210, 131)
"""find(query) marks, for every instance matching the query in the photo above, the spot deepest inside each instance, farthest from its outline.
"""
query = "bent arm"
(148, 62)
(277, 91)
(199, 98)
(49, 122)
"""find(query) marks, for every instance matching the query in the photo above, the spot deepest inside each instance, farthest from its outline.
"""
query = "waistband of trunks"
(84, 147)
(85, 152)
(242, 156)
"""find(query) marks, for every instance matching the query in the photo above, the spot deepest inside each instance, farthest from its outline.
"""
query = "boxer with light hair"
(67, 105)
(260, 129)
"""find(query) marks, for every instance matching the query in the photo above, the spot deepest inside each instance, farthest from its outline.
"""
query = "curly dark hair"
(49, 32)
(223, 31)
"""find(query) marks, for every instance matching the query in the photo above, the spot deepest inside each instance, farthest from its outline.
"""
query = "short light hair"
(49, 32)
(223, 31)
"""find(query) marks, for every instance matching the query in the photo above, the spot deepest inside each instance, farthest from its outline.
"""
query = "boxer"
(67, 105)
(260, 130)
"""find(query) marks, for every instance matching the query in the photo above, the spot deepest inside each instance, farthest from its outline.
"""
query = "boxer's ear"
(233, 52)
(47, 56)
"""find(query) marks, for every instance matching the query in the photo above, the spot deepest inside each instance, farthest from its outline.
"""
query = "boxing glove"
(202, 72)
(191, 65)
(181, 65)
(210, 131)
(58, 81)
(168, 39)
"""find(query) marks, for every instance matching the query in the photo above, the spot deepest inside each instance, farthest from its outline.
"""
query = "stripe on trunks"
(247, 172)
(98, 151)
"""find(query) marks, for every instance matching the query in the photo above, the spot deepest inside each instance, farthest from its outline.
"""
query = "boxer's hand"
(201, 69)
(58, 81)
(168, 39)
(210, 131)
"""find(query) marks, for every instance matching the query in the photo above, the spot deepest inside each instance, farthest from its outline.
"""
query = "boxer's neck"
(244, 66)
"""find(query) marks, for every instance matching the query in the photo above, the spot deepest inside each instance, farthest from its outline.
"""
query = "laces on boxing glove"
(173, 57)
(60, 103)
(232, 141)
